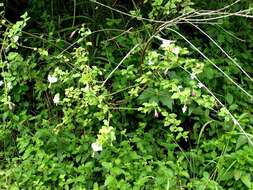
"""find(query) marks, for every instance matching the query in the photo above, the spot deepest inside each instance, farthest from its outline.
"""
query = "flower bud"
(156, 114)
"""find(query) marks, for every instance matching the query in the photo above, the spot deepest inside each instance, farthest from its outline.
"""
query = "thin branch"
(127, 55)
(236, 122)
(207, 12)
(231, 34)
(223, 51)
(115, 37)
(124, 13)
(203, 55)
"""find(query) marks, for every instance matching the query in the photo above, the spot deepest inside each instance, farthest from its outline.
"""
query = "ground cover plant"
(111, 94)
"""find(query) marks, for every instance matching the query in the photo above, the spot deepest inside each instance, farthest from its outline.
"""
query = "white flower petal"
(166, 43)
(52, 79)
(56, 99)
(1, 83)
(176, 50)
(156, 114)
(96, 147)
(184, 108)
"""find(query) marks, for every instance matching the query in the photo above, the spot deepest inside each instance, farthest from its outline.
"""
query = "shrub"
(148, 103)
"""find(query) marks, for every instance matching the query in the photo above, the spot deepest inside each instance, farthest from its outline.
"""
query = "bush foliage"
(153, 94)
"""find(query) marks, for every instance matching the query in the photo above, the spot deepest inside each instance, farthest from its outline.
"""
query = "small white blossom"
(176, 50)
(52, 79)
(156, 114)
(201, 85)
(56, 99)
(96, 147)
(166, 43)
(184, 108)
(1, 83)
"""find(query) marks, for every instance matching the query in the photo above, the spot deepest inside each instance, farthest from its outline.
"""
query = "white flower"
(56, 99)
(52, 79)
(96, 147)
(1, 82)
(156, 114)
(201, 85)
(184, 108)
(176, 50)
(166, 43)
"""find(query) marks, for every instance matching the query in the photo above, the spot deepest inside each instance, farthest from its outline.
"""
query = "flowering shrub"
(115, 105)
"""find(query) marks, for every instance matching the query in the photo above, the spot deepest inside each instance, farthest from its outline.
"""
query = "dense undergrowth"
(127, 95)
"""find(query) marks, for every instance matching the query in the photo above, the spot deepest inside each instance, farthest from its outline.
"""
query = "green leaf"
(242, 140)
(229, 98)
(233, 107)
(209, 73)
(237, 174)
(146, 95)
(246, 180)
(167, 101)
(110, 180)
(154, 99)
